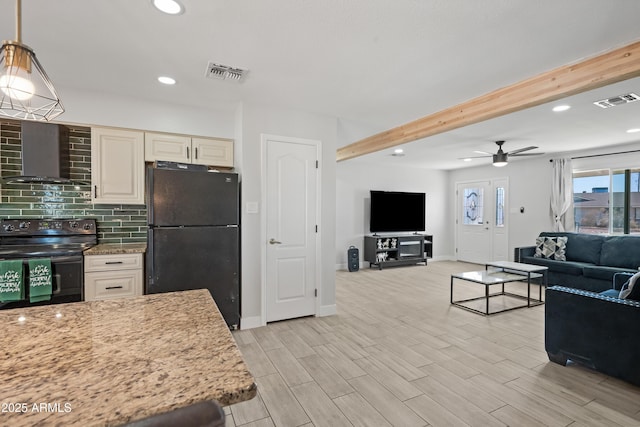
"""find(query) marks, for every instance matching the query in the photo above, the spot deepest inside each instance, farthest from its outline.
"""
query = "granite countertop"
(117, 248)
(113, 361)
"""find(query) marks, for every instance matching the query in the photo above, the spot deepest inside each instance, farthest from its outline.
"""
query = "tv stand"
(395, 250)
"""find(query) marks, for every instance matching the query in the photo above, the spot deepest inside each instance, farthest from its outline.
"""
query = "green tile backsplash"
(116, 223)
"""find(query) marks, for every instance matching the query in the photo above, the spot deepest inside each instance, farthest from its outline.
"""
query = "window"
(473, 206)
(607, 201)
(500, 207)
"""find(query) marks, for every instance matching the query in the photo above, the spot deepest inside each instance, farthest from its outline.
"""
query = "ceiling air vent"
(617, 100)
(224, 72)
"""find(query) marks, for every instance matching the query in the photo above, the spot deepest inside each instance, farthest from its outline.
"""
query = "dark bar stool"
(202, 414)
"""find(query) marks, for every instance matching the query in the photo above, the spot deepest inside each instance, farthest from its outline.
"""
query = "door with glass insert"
(481, 226)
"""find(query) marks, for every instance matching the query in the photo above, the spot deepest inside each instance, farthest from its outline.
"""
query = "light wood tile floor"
(398, 354)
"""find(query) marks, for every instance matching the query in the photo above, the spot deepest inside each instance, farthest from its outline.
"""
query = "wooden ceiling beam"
(602, 70)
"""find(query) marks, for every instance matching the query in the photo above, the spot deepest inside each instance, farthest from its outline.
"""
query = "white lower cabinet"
(112, 276)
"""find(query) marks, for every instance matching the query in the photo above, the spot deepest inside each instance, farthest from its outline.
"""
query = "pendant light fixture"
(25, 89)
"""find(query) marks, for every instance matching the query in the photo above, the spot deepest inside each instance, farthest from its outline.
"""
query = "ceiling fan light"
(499, 160)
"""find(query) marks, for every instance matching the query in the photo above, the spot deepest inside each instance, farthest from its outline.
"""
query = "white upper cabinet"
(185, 149)
(164, 146)
(117, 166)
(214, 152)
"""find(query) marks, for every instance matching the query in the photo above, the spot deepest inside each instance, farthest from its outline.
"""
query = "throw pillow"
(630, 290)
(551, 248)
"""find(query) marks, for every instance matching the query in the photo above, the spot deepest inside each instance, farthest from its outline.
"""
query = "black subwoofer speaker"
(353, 258)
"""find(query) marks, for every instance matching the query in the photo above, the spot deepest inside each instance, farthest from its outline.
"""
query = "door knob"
(273, 241)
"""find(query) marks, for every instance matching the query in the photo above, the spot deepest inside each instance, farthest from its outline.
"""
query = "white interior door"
(481, 221)
(291, 204)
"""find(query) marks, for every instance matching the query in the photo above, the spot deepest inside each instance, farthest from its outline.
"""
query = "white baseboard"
(251, 322)
(443, 258)
(327, 310)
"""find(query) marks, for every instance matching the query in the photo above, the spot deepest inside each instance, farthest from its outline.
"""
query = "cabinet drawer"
(109, 284)
(112, 262)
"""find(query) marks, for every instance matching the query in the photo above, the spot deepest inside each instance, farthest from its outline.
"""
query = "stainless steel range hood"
(45, 155)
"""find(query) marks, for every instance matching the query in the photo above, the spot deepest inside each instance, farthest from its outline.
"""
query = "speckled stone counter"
(113, 361)
(117, 248)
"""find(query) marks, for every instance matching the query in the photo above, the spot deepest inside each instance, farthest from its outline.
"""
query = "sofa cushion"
(551, 248)
(621, 251)
(580, 247)
(566, 267)
(603, 272)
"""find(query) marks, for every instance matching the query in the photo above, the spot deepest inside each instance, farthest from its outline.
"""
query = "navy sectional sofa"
(593, 329)
(592, 260)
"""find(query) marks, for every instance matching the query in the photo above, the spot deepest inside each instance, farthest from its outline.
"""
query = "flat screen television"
(394, 211)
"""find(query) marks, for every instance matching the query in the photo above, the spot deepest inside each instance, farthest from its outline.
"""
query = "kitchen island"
(113, 361)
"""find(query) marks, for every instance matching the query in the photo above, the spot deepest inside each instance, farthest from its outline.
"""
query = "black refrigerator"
(193, 240)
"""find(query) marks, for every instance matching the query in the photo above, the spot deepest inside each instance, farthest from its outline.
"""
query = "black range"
(61, 240)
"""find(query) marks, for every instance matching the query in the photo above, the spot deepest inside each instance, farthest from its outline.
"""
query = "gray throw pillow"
(551, 248)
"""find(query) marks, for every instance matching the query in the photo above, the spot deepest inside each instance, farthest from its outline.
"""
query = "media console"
(394, 250)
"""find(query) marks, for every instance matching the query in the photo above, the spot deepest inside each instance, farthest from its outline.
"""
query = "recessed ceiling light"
(171, 7)
(398, 151)
(559, 108)
(166, 80)
(467, 159)
(634, 130)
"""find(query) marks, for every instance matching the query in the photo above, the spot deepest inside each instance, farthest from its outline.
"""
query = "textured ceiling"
(378, 63)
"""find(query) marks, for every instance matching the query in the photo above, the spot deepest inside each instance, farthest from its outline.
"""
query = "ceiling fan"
(500, 158)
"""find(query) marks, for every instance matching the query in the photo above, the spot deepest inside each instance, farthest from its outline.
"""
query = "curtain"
(562, 195)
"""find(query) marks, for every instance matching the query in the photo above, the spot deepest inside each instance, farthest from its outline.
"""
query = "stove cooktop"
(30, 238)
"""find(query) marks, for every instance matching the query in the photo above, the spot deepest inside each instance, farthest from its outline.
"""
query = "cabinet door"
(213, 152)
(117, 166)
(172, 148)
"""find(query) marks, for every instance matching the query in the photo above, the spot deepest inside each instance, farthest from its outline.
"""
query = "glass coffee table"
(501, 273)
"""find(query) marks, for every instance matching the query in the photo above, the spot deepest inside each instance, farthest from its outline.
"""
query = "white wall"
(354, 180)
(89, 108)
(529, 187)
(245, 124)
(257, 120)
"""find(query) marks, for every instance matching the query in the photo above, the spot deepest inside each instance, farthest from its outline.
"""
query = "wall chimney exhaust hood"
(45, 155)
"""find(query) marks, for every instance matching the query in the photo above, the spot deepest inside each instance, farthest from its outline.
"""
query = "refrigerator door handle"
(150, 268)
(273, 241)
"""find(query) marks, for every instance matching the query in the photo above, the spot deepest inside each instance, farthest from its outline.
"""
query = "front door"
(291, 205)
(481, 221)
